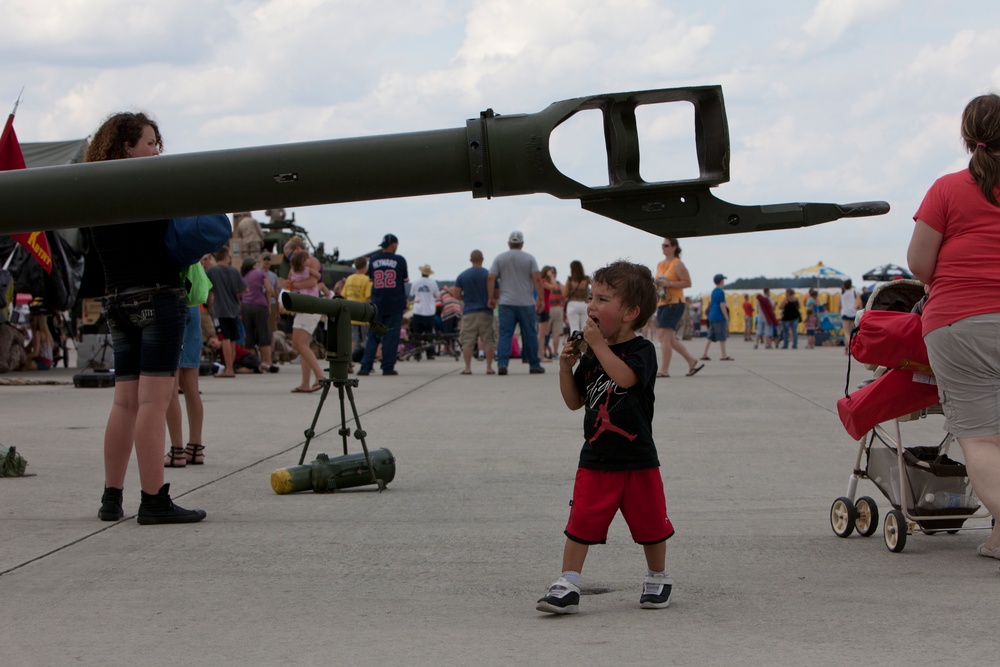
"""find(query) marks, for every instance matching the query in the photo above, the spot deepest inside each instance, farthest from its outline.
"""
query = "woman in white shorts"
(576, 292)
(304, 279)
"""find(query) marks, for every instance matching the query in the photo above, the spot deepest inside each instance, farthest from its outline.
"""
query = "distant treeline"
(761, 282)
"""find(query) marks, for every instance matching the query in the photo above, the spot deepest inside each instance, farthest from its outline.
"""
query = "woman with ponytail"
(955, 252)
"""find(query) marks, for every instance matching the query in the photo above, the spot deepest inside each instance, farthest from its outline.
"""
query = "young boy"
(358, 287)
(224, 301)
(618, 463)
(718, 319)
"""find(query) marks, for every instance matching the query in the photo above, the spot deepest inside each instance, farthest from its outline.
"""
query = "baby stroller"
(928, 490)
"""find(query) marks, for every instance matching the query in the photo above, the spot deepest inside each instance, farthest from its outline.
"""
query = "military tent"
(58, 290)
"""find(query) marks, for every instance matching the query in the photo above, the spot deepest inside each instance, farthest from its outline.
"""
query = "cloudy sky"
(828, 101)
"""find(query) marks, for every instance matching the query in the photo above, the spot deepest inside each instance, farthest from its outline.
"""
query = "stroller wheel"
(842, 516)
(894, 531)
(865, 516)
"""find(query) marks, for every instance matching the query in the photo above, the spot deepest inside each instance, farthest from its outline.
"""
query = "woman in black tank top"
(146, 314)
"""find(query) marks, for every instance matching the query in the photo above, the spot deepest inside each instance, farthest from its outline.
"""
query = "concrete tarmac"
(445, 566)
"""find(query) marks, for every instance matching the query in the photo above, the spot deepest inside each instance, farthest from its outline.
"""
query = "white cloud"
(111, 33)
(968, 51)
(830, 19)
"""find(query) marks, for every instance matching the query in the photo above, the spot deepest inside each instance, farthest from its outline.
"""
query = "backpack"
(12, 354)
(12, 464)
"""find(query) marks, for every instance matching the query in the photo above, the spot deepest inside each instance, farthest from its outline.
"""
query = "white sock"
(572, 577)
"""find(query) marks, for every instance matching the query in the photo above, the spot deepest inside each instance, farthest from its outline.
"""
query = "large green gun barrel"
(492, 156)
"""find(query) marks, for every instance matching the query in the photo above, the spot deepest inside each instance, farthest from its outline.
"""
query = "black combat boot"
(159, 508)
(111, 505)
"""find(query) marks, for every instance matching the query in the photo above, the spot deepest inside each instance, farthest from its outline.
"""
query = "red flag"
(11, 158)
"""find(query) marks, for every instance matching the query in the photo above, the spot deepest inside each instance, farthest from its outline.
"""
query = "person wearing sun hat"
(423, 293)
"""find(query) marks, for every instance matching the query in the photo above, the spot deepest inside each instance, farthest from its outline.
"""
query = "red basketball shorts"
(599, 494)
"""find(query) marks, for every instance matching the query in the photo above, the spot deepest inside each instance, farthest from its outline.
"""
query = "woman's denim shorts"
(191, 349)
(669, 316)
(147, 327)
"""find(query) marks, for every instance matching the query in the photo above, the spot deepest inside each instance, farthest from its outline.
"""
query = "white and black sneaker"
(563, 598)
(656, 591)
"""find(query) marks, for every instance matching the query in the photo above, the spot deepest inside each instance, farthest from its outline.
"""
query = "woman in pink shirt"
(955, 251)
(304, 279)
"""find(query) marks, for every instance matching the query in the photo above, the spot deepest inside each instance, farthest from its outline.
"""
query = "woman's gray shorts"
(965, 357)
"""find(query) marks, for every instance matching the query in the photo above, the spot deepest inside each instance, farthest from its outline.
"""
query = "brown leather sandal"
(194, 454)
(175, 458)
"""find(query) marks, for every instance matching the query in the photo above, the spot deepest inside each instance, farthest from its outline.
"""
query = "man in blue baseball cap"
(718, 319)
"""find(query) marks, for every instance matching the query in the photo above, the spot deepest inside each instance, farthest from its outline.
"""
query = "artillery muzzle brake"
(492, 156)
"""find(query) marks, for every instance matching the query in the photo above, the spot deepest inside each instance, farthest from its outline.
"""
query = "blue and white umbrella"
(820, 270)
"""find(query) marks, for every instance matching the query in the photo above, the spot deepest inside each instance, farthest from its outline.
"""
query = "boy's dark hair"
(221, 253)
(360, 262)
(634, 285)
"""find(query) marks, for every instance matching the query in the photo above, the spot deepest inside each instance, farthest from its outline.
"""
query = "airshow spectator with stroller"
(955, 251)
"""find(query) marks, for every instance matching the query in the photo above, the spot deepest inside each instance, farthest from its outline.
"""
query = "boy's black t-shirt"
(618, 423)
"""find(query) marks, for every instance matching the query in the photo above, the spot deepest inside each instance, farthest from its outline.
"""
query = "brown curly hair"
(119, 131)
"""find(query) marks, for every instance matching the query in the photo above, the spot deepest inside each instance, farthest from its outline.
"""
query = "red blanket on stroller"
(893, 395)
(891, 339)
